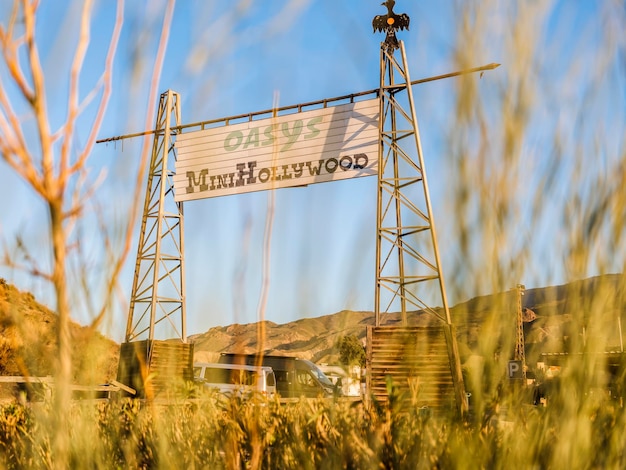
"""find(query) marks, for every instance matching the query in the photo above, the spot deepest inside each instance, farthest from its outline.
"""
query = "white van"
(295, 377)
(236, 379)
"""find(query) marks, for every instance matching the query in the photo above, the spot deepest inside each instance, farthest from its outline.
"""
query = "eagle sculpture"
(390, 23)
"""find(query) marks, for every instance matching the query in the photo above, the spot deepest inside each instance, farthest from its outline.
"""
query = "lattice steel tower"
(520, 344)
(408, 267)
(157, 303)
(406, 237)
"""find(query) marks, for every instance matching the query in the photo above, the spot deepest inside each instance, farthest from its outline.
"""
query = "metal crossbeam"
(323, 103)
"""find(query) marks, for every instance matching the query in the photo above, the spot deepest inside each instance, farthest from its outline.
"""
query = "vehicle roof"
(269, 356)
(216, 365)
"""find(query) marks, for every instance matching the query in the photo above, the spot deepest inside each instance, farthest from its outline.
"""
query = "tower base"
(154, 368)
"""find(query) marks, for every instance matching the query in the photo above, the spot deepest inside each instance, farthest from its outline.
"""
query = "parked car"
(295, 377)
(238, 379)
(350, 384)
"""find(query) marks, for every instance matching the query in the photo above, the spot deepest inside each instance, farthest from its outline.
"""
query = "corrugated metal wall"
(416, 359)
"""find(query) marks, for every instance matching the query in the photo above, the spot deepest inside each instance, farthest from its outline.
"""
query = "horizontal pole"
(272, 112)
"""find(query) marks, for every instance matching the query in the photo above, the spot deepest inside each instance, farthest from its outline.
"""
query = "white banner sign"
(317, 146)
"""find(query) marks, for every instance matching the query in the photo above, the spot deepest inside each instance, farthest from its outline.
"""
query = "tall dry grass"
(537, 165)
(210, 432)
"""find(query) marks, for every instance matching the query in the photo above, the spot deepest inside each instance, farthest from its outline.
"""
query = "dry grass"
(575, 431)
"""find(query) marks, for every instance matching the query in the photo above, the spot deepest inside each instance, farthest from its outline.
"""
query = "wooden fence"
(416, 361)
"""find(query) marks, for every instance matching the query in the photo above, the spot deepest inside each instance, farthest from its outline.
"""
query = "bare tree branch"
(145, 151)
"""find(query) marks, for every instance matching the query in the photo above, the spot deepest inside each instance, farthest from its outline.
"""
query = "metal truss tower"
(520, 347)
(407, 255)
(408, 267)
(157, 303)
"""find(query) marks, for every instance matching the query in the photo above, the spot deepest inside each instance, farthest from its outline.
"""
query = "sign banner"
(298, 149)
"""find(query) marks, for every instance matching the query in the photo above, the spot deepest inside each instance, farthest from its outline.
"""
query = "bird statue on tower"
(390, 23)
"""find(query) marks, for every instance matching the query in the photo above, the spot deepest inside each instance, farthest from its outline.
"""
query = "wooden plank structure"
(417, 362)
(155, 368)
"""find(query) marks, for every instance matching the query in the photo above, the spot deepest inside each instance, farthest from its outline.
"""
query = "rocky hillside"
(310, 338)
(28, 341)
(593, 308)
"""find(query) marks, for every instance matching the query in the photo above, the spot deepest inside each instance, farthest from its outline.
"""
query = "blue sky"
(228, 58)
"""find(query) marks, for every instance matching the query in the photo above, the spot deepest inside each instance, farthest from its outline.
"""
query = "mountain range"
(553, 318)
